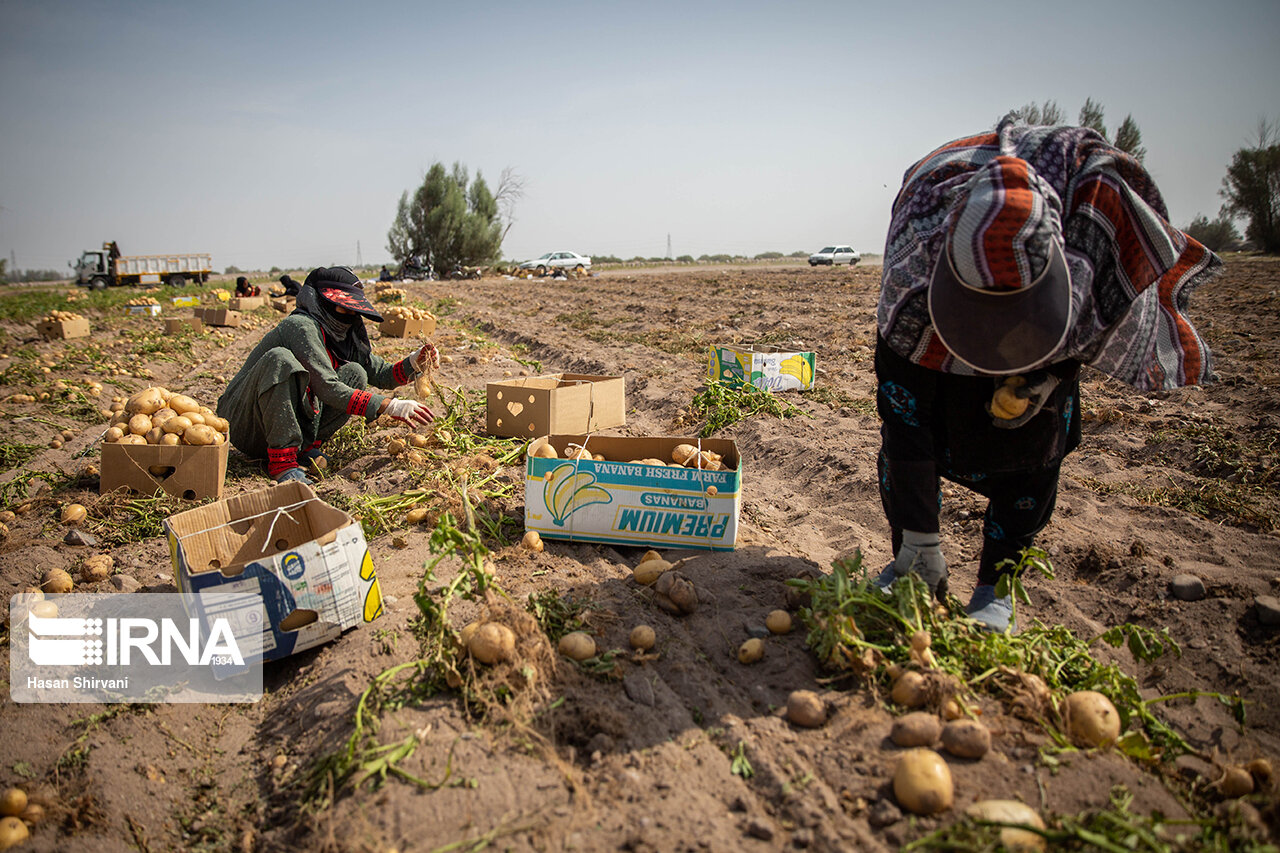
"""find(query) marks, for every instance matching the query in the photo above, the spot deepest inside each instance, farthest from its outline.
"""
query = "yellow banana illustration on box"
(564, 492)
(799, 367)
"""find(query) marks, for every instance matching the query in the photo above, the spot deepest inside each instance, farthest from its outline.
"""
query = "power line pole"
(359, 260)
(668, 245)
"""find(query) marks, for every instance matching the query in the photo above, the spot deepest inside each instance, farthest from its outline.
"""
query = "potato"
(132, 439)
(751, 651)
(650, 570)
(1090, 719)
(910, 690)
(1011, 811)
(575, 451)
(56, 581)
(395, 447)
(675, 593)
(492, 642)
(220, 424)
(966, 738)
(918, 728)
(161, 415)
(577, 645)
(12, 832)
(182, 404)
(32, 814)
(97, 568)
(778, 622)
(139, 424)
(419, 440)
(532, 541)
(145, 402)
(922, 782)
(642, 638)
(806, 708)
(73, 514)
(12, 802)
(170, 439)
(7, 516)
(1260, 770)
(1235, 782)
(198, 435)
(416, 515)
(194, 417)
(545, 451)
(468, 631)
(176, 425)
(681, 453)
(154, 435)
(1006, 404)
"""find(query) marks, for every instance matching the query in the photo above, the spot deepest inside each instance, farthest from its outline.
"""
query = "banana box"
(286, 551)
(623, 500)
(768, 368)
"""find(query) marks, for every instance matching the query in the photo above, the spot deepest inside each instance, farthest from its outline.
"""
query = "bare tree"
(510, 191)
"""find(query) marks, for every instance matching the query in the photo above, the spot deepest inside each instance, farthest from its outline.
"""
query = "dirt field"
(684, 748)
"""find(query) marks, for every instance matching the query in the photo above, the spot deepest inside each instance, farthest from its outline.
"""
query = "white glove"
(427, 356)
(1027, 394)
(408, 411)
(921, 553)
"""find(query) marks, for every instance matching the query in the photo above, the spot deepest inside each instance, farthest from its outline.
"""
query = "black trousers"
(935, 426)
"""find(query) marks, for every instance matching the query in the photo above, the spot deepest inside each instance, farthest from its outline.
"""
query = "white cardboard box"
(768, 368)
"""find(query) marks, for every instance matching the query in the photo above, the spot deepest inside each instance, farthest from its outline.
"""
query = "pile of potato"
(159, 416)
(142, 302)
(682, 456)
(61, 317)
(407, 313)
(391, 294)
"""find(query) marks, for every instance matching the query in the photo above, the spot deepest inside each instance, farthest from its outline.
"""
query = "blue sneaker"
(886, 578)
(991, 611)
(294, 474)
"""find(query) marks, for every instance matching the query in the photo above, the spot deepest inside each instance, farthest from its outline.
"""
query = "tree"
(1129, 138)
(1091, 116)
(451, 220)
(1251, 189)
(1216, 235)
(4, 275)
(1048, 113)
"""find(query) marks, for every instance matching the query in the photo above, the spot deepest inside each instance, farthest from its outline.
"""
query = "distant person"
(311, 373)
(243, 288)
(1014, 257)
(385, 274)
(291, 287)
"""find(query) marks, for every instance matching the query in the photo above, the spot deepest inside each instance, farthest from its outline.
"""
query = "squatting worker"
(311, 373)
(1013, 258)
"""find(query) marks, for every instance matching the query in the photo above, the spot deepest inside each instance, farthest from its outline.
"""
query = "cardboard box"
(628, 504)
(52, 330)
(246, 303)
(185, 301)
(191, 473)
(403, 327)
(561, 403)
(143, 310)
(218, 316)
(307, 560)
(183, 325)
(285, 304)
(768, 368)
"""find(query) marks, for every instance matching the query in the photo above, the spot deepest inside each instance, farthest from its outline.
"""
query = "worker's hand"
(427, 357)
(921, 553)
(410, 412)
(1018, 399)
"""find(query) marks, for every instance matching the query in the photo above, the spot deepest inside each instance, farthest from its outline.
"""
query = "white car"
(832, 255)
(552, 261)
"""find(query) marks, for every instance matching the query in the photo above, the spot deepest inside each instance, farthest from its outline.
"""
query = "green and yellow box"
(768, 368)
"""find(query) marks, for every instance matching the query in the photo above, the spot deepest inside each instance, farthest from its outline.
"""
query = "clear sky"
(283, 133)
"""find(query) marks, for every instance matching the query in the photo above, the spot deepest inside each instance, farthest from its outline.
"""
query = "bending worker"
(1013, 258)
(310, 374)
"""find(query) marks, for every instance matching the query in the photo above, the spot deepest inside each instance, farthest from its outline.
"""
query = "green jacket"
(301, 336)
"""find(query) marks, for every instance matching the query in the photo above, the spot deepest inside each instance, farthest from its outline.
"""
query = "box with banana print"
(768, 368)
(663, 492)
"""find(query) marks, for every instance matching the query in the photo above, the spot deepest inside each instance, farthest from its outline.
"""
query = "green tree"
(1091, 116)
(1129, 138)
(1048, 113)
(451, 220)
(1251, 189)
(1216, 235)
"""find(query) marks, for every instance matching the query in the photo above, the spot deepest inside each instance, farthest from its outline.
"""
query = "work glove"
(410, 412)
(920, 553)
(426, 357)
(1018, 399)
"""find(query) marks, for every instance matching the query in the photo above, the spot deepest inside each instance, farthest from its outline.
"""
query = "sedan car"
(552, 261)
(832, 255)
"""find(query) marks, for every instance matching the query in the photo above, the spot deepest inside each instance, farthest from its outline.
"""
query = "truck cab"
(94, 269)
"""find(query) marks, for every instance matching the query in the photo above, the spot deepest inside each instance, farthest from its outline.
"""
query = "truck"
(106, 267)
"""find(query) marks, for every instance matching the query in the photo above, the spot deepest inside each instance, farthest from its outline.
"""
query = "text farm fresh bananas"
(564, 492)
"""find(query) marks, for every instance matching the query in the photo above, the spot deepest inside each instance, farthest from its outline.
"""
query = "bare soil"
(641, 758)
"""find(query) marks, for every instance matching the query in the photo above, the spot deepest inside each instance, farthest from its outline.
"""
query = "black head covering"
(345, 335)
(291, 287)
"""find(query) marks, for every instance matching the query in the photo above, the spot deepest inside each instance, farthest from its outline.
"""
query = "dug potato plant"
(536, 691)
